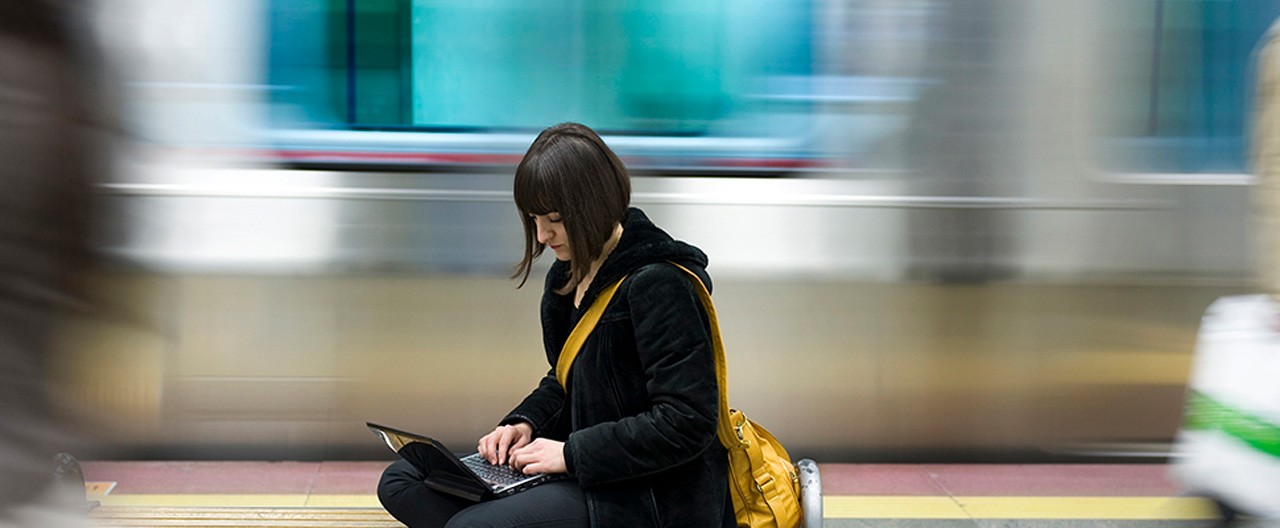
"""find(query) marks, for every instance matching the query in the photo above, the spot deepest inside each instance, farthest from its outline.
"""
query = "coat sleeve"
(675, 352)
(541, 408)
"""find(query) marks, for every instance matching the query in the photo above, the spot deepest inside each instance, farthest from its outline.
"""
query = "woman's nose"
(544, 234)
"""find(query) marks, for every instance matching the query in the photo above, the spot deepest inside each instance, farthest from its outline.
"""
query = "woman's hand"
(540, 456)
(495, 446)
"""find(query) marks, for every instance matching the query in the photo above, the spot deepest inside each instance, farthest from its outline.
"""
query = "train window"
(668, 67)
(1180, 84)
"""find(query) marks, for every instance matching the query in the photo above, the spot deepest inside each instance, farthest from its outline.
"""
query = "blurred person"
(45, 167)
(1226, 442)
(634, 434)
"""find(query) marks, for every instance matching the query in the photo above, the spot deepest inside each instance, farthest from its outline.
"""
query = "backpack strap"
(581, 331)
(728, 431)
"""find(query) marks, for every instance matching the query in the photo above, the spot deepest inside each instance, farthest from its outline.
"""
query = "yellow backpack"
(762, 480)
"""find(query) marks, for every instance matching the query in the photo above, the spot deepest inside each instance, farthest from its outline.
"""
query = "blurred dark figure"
(964, 140)
(47, 162)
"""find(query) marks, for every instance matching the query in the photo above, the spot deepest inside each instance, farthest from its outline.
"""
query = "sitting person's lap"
(409, 500)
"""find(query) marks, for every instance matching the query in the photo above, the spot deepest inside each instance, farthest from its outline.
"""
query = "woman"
(635, 432)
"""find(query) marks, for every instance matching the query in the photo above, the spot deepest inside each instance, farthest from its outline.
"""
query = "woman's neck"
(609, 245)
(608, 248)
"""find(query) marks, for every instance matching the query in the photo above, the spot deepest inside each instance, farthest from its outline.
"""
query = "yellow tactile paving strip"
(834, 507)
(1111, 508)
(244, 501)
(181, 517)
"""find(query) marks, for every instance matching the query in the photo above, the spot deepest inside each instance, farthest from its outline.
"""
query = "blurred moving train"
(939, 228)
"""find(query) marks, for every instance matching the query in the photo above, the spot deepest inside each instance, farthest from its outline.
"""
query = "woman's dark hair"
(569, 170)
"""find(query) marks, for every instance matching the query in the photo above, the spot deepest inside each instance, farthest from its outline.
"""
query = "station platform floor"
(208, 493)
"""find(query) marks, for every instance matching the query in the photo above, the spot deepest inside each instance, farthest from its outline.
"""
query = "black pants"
(550, 505)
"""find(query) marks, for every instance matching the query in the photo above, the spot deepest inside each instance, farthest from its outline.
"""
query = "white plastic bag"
(1229, 443)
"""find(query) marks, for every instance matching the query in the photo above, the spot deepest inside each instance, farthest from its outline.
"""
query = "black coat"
(639, 419)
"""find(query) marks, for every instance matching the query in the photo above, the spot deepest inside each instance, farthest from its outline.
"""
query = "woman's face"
(551, 232)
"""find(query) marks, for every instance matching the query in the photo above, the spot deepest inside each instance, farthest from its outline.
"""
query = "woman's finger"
(488, 446)
(509, 437)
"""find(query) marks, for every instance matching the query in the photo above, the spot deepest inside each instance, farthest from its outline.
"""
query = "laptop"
(470, 477)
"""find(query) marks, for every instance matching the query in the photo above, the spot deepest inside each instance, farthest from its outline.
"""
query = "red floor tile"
(348, 478)
(1087, 480)
(205, 477)
(876, 479)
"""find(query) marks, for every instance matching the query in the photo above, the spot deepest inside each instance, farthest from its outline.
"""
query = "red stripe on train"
(513, 159)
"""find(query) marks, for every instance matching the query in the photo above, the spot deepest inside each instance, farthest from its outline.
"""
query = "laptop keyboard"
(500, 475)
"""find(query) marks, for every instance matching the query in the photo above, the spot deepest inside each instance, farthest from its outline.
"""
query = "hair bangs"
(536, 190)
(569, 170)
